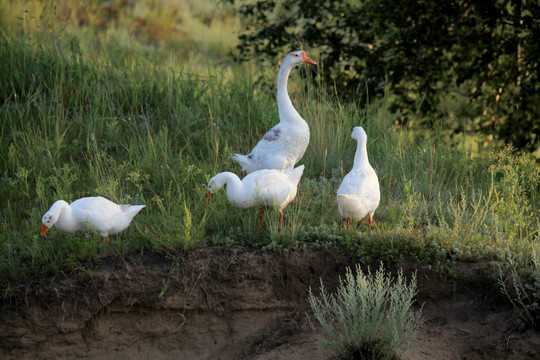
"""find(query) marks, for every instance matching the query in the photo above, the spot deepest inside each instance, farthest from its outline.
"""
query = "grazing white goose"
(358, 195)
(90, 213)
(262, 187)
(284, 144)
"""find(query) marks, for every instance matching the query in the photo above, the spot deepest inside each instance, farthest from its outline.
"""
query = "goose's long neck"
(361, 157)
(66, 213)
(234, 184)
(61, 207)
(287, 112)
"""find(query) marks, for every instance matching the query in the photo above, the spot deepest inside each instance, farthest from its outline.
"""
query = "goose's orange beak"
(43, 229)
(208, 195)
(306, 60)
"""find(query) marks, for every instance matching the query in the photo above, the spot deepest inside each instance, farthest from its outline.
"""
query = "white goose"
(90, 213)
(284, 144)
(262, 187)
(358, 195)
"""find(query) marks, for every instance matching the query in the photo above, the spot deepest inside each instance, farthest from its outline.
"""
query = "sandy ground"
(238, 303)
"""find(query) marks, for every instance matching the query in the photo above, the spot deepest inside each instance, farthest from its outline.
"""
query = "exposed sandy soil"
(237, 303)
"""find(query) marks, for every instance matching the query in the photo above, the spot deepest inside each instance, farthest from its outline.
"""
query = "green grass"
(144, 128)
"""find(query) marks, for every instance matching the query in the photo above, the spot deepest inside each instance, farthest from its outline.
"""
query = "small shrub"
(465, 219)
(524, 295)
(412, 205)
(368, 317)
(516, 182)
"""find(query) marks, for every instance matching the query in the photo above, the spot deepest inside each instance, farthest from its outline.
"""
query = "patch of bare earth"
(237, 303)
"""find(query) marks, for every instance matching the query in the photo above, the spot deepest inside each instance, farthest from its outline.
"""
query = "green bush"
(369, 317)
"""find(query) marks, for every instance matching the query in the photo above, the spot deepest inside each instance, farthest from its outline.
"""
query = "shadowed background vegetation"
(142, 102)
(462, 66)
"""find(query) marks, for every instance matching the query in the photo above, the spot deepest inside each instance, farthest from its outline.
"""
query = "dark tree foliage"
(486, 52)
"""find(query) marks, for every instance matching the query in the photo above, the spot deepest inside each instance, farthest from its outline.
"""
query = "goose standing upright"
(90, 213)
(358, 195)
(284, 144)
(264, 187)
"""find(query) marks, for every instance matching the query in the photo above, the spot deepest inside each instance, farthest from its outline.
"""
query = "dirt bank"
(236, 303)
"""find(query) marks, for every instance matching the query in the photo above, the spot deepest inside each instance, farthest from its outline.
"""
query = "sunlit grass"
(188, 36)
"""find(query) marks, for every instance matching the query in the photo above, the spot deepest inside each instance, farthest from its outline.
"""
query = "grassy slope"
(144, 128)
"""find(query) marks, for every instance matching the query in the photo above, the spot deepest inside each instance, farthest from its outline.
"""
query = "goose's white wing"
(270, 186)
(267, 154)
(99, 213)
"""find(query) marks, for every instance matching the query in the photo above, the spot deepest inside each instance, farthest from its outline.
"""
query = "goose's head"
(213, 186)
(49, 219)
(216, 183)
(359, 134)
(296, 58)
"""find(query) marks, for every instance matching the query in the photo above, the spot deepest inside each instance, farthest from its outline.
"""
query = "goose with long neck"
(263, 187)
(88, 214)
(284, 144)
(359, 194)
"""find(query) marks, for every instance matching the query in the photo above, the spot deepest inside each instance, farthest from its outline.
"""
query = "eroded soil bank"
(237, 303)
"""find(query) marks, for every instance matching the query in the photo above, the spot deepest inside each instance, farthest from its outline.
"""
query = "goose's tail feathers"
(132, 209)
(242, 160)
(296, 174)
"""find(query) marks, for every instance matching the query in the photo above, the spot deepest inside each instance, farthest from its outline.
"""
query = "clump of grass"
(368, 317)
(174, 226)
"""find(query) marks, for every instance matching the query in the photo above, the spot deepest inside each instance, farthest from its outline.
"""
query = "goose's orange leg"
(280, 221)
(106, 238)
(261, 218)
(370, 221)
(347, 223)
